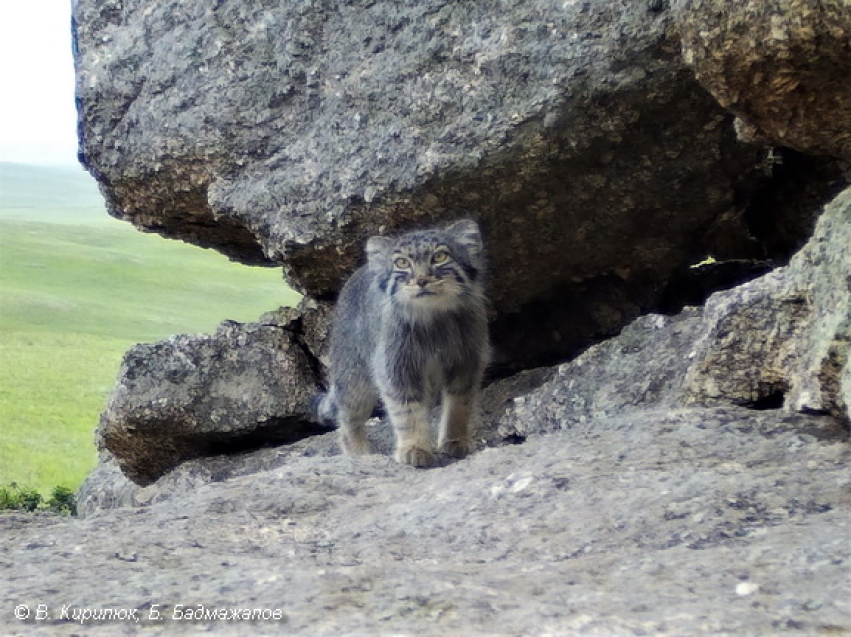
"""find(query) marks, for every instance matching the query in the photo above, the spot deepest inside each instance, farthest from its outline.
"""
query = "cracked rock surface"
(781, 67)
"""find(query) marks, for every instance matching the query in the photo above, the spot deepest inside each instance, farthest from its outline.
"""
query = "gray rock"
(693, 521)
(107, 487)
(288, 132)
(246, 386)
(628, 508)
(311, 320)
(641, 368)
(641, 496)
(780, 341)
(784, 338)
(781, 67)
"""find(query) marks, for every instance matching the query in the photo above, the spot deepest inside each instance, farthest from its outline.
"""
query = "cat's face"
(429, 269)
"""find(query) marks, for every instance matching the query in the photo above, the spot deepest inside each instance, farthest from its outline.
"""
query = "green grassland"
(77, 289)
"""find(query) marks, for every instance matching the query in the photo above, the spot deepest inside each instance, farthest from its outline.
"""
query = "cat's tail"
(323, 408)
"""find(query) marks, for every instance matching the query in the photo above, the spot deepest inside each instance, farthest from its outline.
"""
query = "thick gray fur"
(410, 328)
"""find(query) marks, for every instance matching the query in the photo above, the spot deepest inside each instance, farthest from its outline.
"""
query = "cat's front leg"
(354, 407)
(413, 439)
(455, 439)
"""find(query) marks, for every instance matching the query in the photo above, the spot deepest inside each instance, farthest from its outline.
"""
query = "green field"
(77, 288)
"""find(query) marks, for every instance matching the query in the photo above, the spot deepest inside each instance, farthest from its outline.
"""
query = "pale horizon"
(38, 118)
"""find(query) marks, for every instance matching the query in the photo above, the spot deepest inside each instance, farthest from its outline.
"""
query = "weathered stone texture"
(779, 341)
(697, 522)
(781, 66)
(622, 511)
(689, 476)
(786, 335)
(246, 386)
(641, 368)
(289, 132)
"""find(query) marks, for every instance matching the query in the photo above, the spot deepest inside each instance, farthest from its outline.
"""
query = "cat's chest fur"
(436, 342)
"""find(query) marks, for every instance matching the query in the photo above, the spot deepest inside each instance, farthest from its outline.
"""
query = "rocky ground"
(691, 521)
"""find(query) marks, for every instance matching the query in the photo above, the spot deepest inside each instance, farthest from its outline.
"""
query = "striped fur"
(410, 328)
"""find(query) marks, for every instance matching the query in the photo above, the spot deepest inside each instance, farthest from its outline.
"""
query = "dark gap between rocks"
(693, 285)
(773, 400)
(275, 432)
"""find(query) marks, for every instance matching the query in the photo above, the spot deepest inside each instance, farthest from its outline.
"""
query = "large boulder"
(781, 67)
(244, 387)
(286, 133)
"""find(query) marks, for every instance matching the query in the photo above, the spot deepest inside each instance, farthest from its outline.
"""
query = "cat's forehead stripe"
(421, 241)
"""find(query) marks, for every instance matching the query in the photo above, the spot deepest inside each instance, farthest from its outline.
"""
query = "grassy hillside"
(78, 288)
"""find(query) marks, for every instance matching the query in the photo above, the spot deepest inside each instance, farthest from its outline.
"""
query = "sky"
(38, 120)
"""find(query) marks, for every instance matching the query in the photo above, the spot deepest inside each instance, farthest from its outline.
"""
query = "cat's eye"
(440, 258)
(402, 263)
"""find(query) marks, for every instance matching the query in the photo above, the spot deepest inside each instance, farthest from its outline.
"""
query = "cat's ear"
(466, 232)
(378, 250)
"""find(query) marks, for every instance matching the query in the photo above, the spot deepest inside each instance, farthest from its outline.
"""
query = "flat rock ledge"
(722, 521)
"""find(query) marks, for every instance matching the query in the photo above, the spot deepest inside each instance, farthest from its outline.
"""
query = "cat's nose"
(422, 281)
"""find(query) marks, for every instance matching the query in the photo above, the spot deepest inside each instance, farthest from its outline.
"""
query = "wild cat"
(410, 328)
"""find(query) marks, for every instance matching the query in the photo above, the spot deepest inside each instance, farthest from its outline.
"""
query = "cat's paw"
(415, 456)
(356, 446)
(458, 448)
